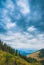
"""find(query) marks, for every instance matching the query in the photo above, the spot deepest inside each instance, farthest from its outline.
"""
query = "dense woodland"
(7, 48)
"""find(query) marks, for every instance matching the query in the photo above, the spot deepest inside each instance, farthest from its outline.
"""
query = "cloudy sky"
(22, 23)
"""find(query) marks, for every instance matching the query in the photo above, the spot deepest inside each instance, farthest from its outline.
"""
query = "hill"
(9, 59)
(9, 56)
(37, 56)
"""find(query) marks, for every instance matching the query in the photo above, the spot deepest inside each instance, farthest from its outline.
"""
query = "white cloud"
(10, 25)
(7, 20)
(20, 40)
(9, 5)
(23, 41)
(31, 29)
(24, 7)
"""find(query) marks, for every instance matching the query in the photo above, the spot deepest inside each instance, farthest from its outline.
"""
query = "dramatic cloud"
(22, 23)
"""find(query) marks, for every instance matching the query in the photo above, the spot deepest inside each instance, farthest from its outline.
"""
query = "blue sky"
(22, 23)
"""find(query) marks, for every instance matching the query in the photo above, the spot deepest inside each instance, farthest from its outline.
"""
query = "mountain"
(25, 51)
(37, 56)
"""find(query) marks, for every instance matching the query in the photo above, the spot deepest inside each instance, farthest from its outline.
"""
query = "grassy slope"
(9, 59)
(35, 55)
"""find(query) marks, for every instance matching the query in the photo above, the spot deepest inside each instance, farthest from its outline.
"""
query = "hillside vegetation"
(9, 56)
(37, 56)
(9, 59)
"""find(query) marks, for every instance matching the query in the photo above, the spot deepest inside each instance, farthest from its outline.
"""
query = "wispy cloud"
(23, 41)
(23, 5)
(10, 25)
(31, 29)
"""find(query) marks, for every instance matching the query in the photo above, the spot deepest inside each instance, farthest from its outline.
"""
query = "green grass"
(9, 59)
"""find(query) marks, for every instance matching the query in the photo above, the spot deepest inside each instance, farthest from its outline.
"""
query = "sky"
(22, 23)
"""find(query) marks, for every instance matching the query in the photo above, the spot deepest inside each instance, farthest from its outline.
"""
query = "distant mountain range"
(25, 51)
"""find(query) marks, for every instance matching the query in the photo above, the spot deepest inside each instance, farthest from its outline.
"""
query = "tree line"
(7, 48)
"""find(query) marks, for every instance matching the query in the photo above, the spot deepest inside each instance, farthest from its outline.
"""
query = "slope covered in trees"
(5, 47)
(9, 56)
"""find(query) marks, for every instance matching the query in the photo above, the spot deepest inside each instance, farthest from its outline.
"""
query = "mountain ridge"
(37, 56)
